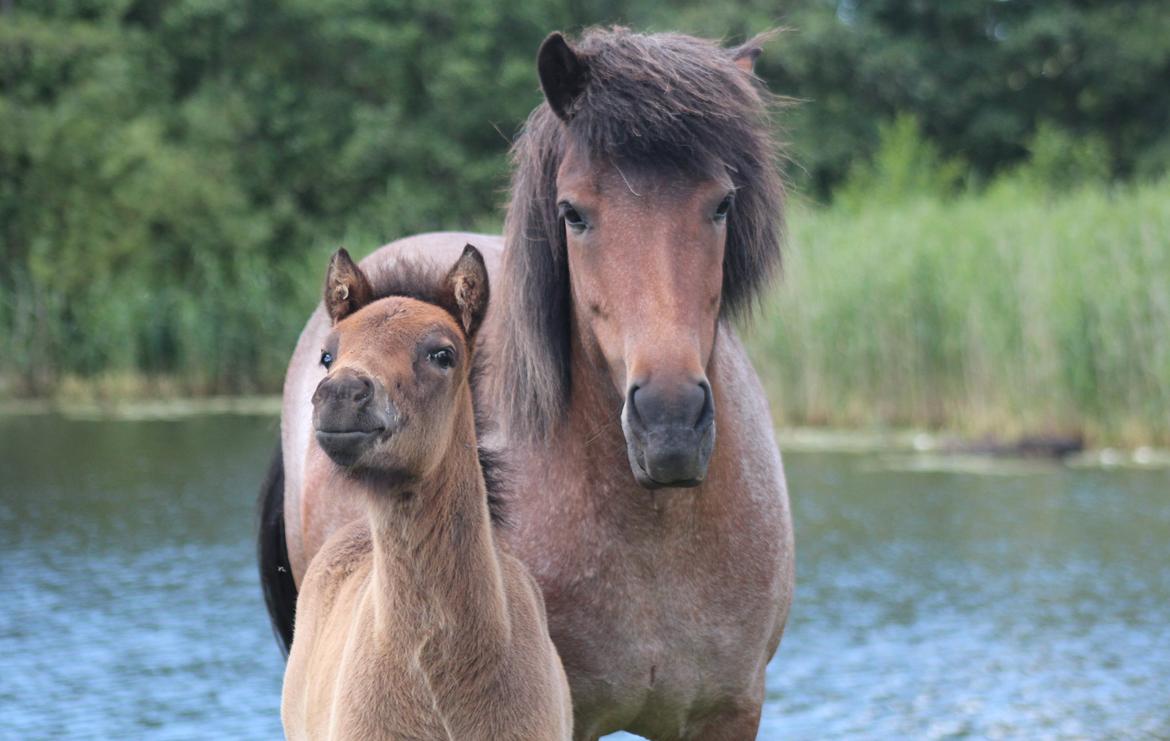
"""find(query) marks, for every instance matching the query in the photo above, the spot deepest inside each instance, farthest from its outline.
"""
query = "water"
(1026, 602)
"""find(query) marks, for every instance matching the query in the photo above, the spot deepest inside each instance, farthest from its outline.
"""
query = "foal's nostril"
(362, 389)
(345, 388)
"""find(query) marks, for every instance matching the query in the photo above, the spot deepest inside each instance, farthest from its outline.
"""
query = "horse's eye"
(444, 357)
(573, 220)
(326, 359)
(723, 208)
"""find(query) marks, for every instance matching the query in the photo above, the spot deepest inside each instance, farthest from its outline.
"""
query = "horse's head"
(645, 258)
(657, 153)
(397, 367)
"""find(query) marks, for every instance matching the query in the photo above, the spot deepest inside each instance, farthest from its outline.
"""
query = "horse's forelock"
(655, 101)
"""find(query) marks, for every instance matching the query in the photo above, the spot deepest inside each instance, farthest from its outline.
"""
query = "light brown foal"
(413, 622)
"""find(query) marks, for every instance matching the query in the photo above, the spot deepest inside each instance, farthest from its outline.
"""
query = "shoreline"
(144, 409)
(922, 449)
(926, 449)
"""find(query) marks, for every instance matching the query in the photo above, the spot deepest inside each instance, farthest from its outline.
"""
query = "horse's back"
(309, 519)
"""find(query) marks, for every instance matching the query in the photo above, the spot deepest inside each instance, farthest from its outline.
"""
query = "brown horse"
(411, 622)
(645, 214)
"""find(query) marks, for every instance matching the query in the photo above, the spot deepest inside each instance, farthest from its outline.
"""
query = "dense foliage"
(981, 76)
(173, 172)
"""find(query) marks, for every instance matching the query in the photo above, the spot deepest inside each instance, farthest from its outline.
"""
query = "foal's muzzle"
(670, 432)
(351, 412)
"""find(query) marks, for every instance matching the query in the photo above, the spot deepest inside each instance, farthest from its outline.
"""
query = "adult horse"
(645, 214)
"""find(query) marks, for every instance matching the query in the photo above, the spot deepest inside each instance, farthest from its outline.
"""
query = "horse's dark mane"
(658, 102)
(423, 280)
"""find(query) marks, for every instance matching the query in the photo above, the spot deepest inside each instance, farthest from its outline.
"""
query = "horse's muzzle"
(670, 433)
(350, 414)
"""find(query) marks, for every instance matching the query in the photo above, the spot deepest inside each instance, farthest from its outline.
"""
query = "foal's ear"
(563, 74)
(745, 56)
(466, 289)
(346, 287)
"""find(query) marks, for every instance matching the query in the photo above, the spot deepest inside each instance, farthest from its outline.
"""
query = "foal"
(413, 622)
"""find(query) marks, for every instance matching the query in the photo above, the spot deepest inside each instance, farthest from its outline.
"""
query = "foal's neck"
(435, 561)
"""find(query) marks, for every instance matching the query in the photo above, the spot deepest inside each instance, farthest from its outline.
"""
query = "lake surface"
(932, 602)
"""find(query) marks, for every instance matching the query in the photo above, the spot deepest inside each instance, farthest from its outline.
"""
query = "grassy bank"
(1004, 312)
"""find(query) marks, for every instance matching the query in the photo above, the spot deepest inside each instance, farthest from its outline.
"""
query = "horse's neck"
(436, 568)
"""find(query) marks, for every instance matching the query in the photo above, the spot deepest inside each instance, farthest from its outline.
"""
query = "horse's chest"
(369, 689)
(662, 610)
(374, 708)
(644, 631)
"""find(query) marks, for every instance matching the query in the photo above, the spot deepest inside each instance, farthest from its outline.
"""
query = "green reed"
(1010, 311)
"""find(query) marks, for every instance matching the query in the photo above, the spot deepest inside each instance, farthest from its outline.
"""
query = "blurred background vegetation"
(980, 221)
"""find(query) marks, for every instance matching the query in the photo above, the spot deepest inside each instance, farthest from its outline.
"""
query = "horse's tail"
(280, 591)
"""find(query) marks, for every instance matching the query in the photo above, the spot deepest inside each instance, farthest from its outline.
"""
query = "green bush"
(1061, 161)
(905, 166)
(980, 77)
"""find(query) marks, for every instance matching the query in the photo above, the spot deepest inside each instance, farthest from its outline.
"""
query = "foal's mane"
(658, 102)
(423, 280)
(417, 278)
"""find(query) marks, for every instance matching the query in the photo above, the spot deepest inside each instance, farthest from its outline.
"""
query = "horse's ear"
(563, 74)
(346, 287)
(466, 290)
(745, 56)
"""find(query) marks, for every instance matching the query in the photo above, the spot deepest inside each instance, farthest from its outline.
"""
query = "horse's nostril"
(707, 410)
(695, 401)
(687, 405)
(632, 401)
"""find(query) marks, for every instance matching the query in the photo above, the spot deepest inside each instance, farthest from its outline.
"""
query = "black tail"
(280, 591)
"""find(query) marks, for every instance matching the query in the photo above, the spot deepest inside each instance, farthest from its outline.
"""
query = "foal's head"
(646, 208)
(397, 368)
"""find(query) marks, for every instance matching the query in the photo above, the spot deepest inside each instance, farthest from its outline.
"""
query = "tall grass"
(1008, 311)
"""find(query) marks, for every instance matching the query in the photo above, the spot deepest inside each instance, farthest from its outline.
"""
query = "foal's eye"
(444, 357)
(326, 359)
(723, 208)
(573, 220)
